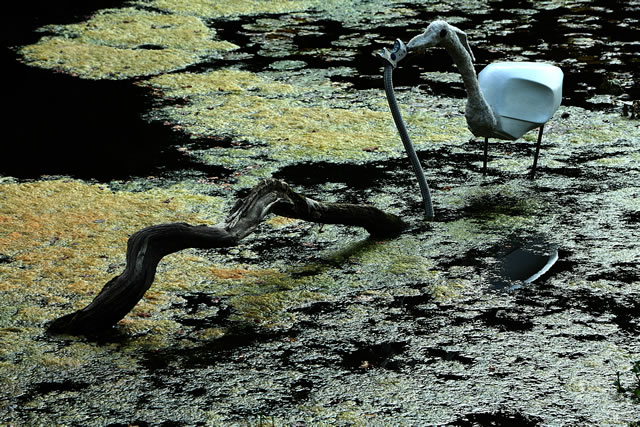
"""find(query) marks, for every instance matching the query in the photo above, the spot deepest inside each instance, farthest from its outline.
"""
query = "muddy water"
(349, 330)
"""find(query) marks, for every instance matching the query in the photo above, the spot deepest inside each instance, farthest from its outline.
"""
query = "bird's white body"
(522, 95)
(506, 99)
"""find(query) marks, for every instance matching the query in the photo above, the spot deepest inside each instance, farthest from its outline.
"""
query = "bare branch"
(148, 246)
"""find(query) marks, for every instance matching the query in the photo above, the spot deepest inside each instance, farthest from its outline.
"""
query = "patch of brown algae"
(62, 240)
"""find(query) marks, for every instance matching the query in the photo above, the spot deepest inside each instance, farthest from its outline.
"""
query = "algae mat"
(302, 324)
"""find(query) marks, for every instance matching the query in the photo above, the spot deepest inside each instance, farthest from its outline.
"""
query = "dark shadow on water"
(357, 176)
(379, 355)
(61, 125)
(512, 319)
(498, 418)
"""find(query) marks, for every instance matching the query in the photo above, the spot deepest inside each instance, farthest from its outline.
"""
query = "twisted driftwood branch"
(148, 246)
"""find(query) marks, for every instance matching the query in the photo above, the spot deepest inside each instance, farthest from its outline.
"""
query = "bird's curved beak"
(423, 41)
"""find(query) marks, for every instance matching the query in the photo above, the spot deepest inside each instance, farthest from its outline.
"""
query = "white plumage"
(507, 99)
(522, 95)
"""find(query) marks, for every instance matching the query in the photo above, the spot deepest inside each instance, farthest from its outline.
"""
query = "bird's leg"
(486, 153)
(535, 157)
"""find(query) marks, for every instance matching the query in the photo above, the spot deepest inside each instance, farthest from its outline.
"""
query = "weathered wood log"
(148, 246)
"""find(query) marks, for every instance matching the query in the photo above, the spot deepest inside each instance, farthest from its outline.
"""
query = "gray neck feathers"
(480, 118)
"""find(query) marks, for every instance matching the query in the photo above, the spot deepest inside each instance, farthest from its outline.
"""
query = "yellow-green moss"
(281, 221)
(178, 85)
(225, 8)
(67, 238)
(269, 309)
(124, 43)
(293, 120)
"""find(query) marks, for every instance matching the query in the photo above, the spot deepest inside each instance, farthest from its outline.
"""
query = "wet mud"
(303, 325)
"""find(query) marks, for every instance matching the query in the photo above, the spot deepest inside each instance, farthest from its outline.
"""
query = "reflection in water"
(522, 266)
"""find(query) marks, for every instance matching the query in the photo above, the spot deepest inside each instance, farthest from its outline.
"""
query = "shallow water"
(302, 325)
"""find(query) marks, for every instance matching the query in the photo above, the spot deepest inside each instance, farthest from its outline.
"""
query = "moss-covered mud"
(302, 324)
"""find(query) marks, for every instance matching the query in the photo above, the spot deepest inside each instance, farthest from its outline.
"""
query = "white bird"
(507, 99)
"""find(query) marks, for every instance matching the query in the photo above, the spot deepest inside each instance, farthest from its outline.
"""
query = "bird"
(506, 99)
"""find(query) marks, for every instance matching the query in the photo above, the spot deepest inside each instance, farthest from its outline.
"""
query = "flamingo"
(507, 99)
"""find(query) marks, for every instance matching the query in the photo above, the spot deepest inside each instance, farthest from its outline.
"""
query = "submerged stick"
(148, 246)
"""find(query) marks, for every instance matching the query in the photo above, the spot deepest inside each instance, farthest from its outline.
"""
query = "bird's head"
(439, 33)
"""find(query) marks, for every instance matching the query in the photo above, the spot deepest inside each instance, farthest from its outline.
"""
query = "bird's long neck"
(462, 59)
(480, 117)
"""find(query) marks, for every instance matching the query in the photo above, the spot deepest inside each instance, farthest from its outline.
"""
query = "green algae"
(65, 223)
(75, 240)
(288, 121)
(365, 278)
(134, 42)
(228, 8)
(124, 43)
(266, 115)
(343, 268)
(351, 13)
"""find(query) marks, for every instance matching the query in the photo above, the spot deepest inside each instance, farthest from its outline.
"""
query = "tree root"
(148, 246)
